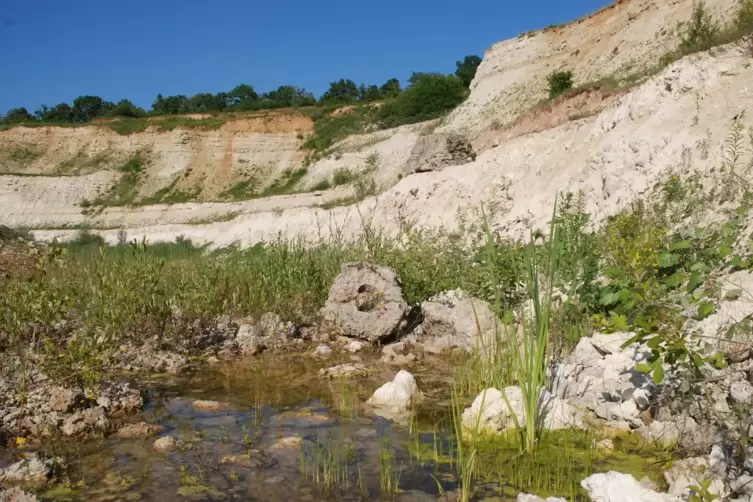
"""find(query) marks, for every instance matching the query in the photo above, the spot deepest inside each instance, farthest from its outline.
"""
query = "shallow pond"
(287, 434)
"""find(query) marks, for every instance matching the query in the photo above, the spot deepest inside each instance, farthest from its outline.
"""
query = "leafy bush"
(343, 176)
(559, 82)
(431, 96)
(701, 32)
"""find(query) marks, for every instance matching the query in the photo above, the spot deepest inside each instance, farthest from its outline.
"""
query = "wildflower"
(20, 441)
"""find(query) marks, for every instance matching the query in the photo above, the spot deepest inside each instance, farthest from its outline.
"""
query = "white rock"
(30, 470)
(743, 484)
(395, 397)
(741, 391)
(322, 351)
(618, 487)
(165, 444)
(489, 412)
(354, 346)
(524, 497)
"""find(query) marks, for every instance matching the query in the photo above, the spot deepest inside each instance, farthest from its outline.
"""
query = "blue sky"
(55, 50)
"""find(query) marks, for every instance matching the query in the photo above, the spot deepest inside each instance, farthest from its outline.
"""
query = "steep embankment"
(611, 146)
(625, 39)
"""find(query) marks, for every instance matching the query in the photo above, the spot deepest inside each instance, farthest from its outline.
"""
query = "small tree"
(559, 82)
(126, 108)
(391, 88)
(467, 69)
(18, 115)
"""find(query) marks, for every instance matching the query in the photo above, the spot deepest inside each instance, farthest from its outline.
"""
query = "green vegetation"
(702, 32)
(124, 192)
(242, 190)
(559, 82)
(242, 98)
(20, 155)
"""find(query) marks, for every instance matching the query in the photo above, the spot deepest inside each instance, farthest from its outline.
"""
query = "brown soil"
(573, 106)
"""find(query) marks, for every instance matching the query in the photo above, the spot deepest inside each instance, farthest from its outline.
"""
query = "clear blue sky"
(55, 50)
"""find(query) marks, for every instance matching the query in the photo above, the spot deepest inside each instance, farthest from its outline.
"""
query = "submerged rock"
(165, 444)
(344, 371)
(365, 302)
(31, 471)
(322, 351)
(16, 495)
(139, 430)
(453, 320)
(394, 398)
(212, 406)
(489, 412)
(618, 487)
(397, 354)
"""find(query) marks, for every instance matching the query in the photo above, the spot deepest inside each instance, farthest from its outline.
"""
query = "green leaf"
(725, 251)
(619, 322)
(733, 294)
(609, 298)
(676, 279)
(705, 309)
(643, 367)
(658, 374)
(684, 244)
(698, 293)
(668, 260)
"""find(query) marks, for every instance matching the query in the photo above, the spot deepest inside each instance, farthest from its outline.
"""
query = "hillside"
(249, 179)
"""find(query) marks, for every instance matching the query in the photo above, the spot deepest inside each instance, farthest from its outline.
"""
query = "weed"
(343, 176)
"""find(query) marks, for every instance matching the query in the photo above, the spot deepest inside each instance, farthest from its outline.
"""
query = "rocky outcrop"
(31, 470)
(454, 320)
(434, 152)
(491, 413)
(393, 399)
(16, 495)
(600, 375)
(50, 408)
(270, 333)
(365, 302)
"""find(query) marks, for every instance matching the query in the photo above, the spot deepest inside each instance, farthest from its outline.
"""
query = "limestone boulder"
(366, 303)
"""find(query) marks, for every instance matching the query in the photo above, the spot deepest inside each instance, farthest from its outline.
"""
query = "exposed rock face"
(394, 398)
(434, 152)
(601, 376)
(365, 302)
(489, 412)
(618, 487)
(450, 322)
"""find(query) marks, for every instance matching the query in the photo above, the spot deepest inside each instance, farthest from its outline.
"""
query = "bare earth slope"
(625, 38)
(678, 120)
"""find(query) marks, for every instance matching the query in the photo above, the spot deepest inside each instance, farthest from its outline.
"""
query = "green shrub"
(559, 82)
(701, 33)
(343, 176)
(744, 21)
(429, 97)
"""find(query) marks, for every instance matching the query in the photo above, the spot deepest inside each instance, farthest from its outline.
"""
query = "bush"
(431, 96)
(702, 32)
(559, 82)
(744, 21)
